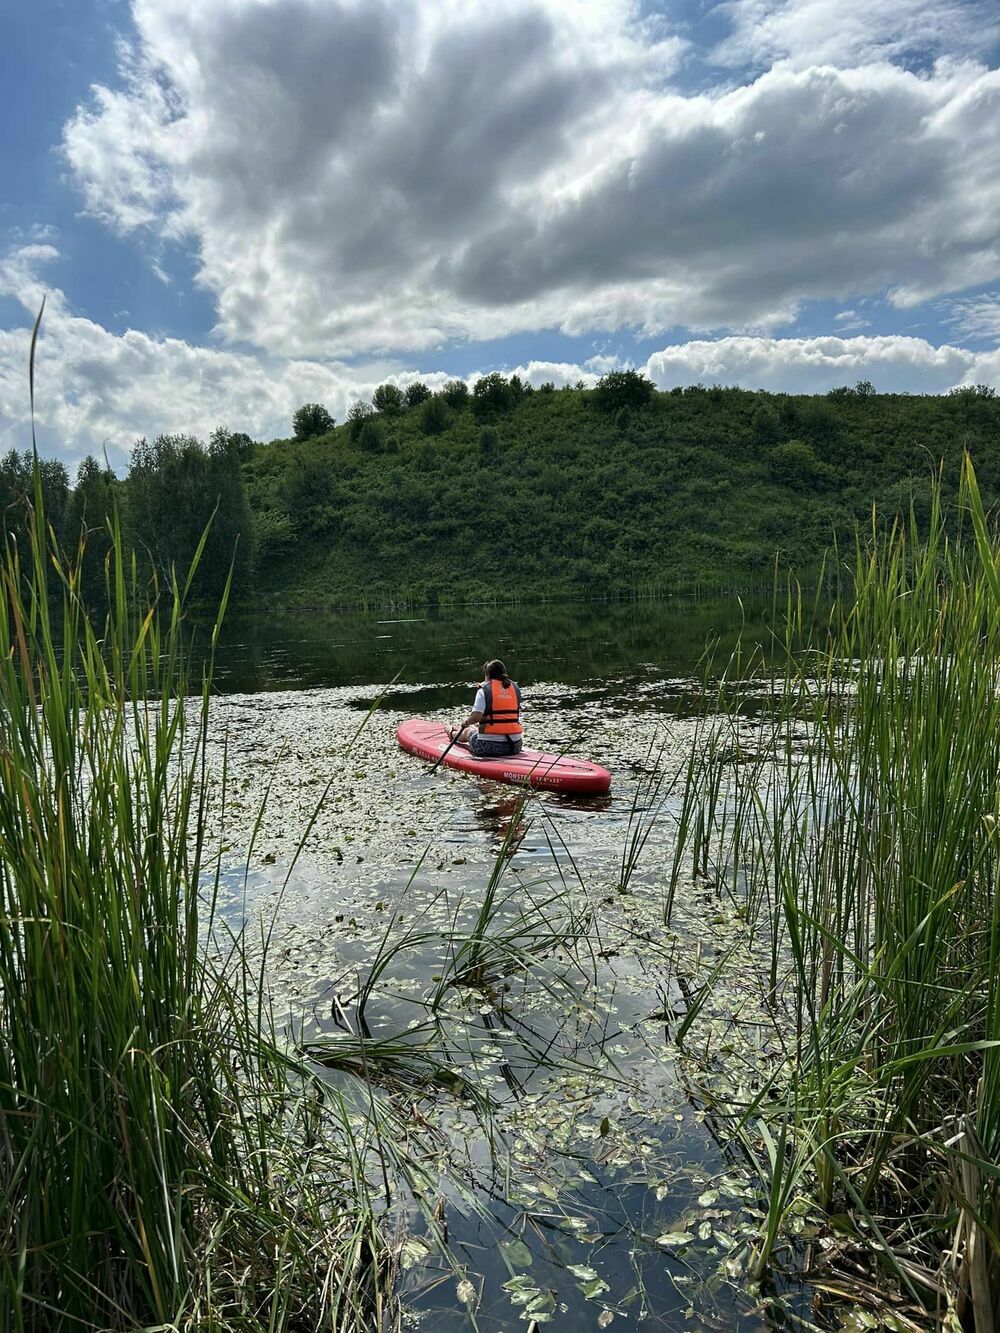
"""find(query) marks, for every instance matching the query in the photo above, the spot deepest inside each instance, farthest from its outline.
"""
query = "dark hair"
(496, 670)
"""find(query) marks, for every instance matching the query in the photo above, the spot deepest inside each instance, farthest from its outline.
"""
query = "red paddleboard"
(530, 768)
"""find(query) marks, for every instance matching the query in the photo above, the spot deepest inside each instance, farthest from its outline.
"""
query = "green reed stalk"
(864, 826)
(153, 1139)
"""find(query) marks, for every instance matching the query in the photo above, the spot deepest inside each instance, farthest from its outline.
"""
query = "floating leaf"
(520, 1284)
(595, 1288)
(517, 1253)
(413, 1251)
(669, 1239)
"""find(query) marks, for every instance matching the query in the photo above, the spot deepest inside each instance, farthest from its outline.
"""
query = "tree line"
(581, 491)
(176, 490)
(575, 491)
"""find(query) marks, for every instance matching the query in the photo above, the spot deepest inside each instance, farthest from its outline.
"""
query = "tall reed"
(163, 1160)
(857, 829)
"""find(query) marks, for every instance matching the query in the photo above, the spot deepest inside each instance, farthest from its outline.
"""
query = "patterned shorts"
(493, 747)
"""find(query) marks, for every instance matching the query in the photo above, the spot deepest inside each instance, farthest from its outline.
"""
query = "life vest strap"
(503, 714)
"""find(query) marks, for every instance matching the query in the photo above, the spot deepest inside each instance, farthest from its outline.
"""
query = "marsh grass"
(165, 1161)
(854, 827)
(490, 956)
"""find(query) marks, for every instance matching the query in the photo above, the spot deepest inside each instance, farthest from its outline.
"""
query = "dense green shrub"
(622, 388)
(369, 437)
(311, 419)
(359, 414)
(273, 532)
(765, 425)
(699, 486)
(389, 400)
(492, 393)
(433, 416)
(794, 463)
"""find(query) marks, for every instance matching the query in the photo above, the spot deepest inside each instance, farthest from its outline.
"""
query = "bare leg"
(463, 736)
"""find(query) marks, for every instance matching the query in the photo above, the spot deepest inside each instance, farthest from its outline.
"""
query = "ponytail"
(496, 670)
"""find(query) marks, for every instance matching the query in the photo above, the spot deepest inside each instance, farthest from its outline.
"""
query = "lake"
(612, 1197)
(570, 643)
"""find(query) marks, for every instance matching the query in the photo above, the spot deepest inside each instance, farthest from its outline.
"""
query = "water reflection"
(504, 819)
(571, 642)
(583, 1196)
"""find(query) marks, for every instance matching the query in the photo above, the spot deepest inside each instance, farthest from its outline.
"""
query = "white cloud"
(893, 364)
(849, 32)
(976, 316)
(848, 320)
(115, 145)
(96, 390)
(393, 174)
(986, 370)
(559, 373)
(805, 184)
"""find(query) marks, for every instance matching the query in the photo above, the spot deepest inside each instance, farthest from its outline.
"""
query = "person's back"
(493, 728)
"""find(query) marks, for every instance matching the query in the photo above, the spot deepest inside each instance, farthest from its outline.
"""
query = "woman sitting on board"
(493, 728)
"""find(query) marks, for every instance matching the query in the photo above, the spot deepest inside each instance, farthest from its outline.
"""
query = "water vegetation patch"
(165, 1158)
(856, 846)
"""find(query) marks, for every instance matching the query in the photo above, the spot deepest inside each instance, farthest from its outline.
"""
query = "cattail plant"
(164, 1159)
(859, 835)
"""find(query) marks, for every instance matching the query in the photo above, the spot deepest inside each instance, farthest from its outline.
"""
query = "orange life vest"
(503, 709)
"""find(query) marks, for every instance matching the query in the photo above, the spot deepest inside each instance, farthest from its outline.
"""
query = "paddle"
(446, 749)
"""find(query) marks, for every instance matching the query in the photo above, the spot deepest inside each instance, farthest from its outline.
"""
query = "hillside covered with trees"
(575, 492)
(503, 492)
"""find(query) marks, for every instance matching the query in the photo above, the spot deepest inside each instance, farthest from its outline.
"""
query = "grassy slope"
(693, 489)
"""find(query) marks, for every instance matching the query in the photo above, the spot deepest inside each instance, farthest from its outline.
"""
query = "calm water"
(571, 643)
(579, 1212)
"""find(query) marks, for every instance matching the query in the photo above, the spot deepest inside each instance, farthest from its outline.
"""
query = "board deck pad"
(530, 768)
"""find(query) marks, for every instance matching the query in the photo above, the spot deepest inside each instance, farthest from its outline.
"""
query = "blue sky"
(57, 49)
(234, 207)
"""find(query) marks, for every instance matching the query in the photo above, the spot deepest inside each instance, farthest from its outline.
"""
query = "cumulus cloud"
(850, 32)
(99, 391)
(395, 174)
(805, 184)
(894, 364)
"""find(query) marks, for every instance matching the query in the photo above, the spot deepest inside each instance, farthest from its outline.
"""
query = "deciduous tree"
(389, 400)
(622, 388)
(311, 419)
(417, 393)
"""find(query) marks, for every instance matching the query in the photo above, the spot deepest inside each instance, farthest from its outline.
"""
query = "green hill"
(506, 493)
(546, 494)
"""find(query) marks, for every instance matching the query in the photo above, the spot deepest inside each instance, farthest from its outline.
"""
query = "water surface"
(568, 642)
(615, 1202)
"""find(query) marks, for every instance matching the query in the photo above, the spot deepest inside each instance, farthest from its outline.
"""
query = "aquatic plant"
(164, 1160)
(853, 824)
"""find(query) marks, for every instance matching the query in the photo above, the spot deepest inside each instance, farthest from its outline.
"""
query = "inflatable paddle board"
(530, 768)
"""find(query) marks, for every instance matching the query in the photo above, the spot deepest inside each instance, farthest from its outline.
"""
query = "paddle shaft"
(440, 758)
